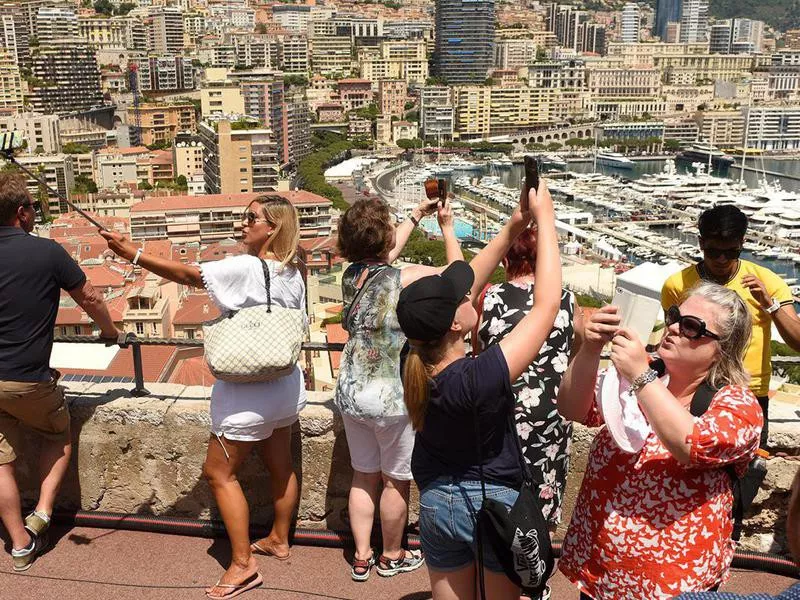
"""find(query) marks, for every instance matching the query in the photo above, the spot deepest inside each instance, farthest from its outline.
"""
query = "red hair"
(520, 260)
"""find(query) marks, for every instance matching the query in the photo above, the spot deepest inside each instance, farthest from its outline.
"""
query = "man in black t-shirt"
(33, 271)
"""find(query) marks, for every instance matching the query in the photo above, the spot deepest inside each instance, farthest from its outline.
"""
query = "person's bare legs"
(498, 586)
(220, 472)
(394, 515)
(454, 585)
(53, 464)
(11, 507)
(276, 453)
(361, 507)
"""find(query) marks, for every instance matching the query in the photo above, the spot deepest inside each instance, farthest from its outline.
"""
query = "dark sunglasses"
(252, 217)
(728, 253)
(691, 327)
(36, 205)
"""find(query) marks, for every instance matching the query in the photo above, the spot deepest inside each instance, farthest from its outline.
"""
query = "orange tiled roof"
(195, 309)
(155, 363)
(192, 371)
(335, 333)
(170, 203)
(102, 276)
(125, 151)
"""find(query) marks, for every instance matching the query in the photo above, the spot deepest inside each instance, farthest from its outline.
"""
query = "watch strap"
(649, 376)
(772, 308)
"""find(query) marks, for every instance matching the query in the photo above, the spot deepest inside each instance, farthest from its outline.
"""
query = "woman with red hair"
(544, 434)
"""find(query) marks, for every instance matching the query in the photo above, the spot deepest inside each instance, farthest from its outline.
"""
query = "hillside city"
(164, 119)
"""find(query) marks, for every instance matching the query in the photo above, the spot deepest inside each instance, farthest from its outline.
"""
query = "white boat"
(614, 159)
(553, 161)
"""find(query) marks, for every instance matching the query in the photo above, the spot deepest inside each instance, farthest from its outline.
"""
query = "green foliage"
(144, 185)
(412, 116)
(409, 144)
(392, 4)
(792, 373)
(370, 112)
(435, 81)
(672, 145)
(162, 145)
(553, 146)
(330, 149)
(408, 105)
(124, 8)
(104, 7)
(333, 319)
(181, 182)
(75, 148)
(295, 80)
(84, 185)
(488, 81)
(782, 14)
(580, 143)
(536, 146)
(589, 301)
(261, 28)
(244, 124)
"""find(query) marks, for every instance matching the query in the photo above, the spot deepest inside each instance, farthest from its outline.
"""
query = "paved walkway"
(123, 565)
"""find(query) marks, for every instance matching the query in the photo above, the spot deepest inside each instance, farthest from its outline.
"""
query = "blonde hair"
(282, 215)
(416, 378)
(734, 324)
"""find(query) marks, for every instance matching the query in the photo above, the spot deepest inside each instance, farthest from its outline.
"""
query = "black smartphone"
(442, 191)
(531, 172)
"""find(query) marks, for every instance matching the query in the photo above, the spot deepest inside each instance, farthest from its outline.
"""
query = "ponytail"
(416, 375)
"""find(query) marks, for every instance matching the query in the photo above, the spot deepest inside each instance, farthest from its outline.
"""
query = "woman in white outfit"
(245, 416)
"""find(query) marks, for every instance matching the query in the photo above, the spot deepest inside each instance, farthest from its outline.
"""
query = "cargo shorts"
(38, 406)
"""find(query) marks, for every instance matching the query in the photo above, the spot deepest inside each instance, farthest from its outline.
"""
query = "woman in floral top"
(656, 522)
(369, 391)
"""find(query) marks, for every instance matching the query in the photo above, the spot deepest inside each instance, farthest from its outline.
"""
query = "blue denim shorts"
(447, 513)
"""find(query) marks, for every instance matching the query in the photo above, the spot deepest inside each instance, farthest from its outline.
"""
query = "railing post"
(138, 372)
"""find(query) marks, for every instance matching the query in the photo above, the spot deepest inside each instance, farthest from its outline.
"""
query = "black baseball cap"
(426, 308)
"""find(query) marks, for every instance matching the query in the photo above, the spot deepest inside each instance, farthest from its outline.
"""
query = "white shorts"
(380, 446)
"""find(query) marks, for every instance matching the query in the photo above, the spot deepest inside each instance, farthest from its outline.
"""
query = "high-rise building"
(565, 21)
(66, 79)
(10, 85)
(56, 24)
(392, 95)
(514, 53)
(238, 160)
(593, 39)
(297, 126)
(667, 11)
(165, 33)
(39, 131)
(57, 170)
(104, 33)
(630, 23)
(463, 50)
(292, 17)
(694, 21)
(164, 73)
(436, 113)
(747, 36)
(719, 37)
(160, 123)
(332, 54)
(792, 39)
(294, 53)
(14, 33)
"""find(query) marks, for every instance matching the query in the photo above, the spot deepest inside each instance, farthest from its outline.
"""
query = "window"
(139, 328)
(190, 334)
(154, 328)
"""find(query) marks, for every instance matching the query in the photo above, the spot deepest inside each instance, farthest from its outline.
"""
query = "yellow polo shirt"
(757, 356)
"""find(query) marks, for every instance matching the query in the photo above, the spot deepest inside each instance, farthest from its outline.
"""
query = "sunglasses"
(36, 205)
(728, 253)
(690, 327)
(250, 217)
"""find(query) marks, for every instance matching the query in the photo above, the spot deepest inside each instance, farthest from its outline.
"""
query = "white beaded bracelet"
(135, 260)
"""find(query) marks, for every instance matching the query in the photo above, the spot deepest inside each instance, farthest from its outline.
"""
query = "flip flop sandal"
(363, 565)
(256, 549)
(253, 582)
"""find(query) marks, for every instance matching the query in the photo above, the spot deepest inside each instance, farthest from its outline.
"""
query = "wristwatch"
(649, 376)
(413, 220)
(773, 307)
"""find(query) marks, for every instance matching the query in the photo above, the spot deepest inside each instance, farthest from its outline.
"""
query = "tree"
(160, 145)
(370, 112)
(144, 185)
(409, 144)
(84, 185)
(261, 28)
(181, 182)
(553, 146)
(489, 81)
(295, 80)
(672, 145)
(408, 106)
(104, 7)
(124, 8)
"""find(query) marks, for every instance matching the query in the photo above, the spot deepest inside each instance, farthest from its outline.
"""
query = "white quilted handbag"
(258, 343)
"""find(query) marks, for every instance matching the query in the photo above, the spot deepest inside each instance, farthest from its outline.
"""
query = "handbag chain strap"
(267, 284)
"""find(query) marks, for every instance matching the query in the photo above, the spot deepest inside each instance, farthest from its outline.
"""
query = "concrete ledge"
(144, 455)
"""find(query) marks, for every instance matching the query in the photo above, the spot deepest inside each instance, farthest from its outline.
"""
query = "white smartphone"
(637, 312)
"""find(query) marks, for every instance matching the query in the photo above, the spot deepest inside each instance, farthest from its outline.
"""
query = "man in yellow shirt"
(722, 232)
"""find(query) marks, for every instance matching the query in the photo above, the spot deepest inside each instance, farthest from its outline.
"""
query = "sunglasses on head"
(252, 217)
(690, 327)
(728, 253)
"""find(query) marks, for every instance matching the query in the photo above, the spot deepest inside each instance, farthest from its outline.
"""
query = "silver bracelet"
(136, 258)
(649, 376)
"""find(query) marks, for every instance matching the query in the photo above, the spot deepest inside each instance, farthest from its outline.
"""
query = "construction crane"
(133, 84)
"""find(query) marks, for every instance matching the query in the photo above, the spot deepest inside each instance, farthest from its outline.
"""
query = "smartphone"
(531, 179)
(637, 312)
(442, 186)
(432, 188)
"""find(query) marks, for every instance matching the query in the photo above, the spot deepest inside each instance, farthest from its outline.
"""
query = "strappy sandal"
(252, 582)
(410, 561)
(361, 569)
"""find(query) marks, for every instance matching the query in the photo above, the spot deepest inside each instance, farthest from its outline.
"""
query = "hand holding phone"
(436, 189)
(531, 179)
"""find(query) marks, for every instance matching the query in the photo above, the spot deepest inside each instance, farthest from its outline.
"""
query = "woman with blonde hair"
(653, 518)
(247, 416)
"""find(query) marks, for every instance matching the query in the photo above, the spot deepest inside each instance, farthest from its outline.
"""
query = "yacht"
(553, 161)
(706, 153)
(614, 159)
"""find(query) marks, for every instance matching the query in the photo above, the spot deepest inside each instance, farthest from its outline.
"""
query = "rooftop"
(172, 203)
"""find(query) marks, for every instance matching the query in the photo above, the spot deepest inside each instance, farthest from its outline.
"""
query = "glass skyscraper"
(667, 11)
(464, 40)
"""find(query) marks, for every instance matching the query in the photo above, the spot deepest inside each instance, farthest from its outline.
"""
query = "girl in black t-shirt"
(444, 391)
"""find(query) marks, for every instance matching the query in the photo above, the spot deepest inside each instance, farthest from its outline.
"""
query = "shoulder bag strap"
(478, 520)
(476, 344)
(265, 267)
(357, 298)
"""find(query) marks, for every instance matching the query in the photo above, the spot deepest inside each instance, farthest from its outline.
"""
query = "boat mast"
(746, 128)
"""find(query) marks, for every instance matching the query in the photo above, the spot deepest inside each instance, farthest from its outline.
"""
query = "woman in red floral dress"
(655, 521)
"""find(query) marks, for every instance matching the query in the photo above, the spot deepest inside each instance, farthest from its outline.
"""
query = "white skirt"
(250, 412)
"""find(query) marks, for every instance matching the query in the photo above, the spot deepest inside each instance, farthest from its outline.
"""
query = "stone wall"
(144, 455)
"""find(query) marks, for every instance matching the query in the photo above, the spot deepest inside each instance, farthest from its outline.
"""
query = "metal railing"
(135, 344)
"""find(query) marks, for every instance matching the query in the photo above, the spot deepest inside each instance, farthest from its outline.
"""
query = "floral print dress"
(369, 384)
(546, 437)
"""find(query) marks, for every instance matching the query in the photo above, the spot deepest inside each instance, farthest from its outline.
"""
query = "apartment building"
(616, 82)
(155, 167)
(667, 11)
(239, 157)
(11, 100)
(694, 21)
(14, 34)
(566, 21)
(115, 167)
(292, 17)
(772, 127)
(66, 79)
(294, 53)
(165, 30)
(514, 53)
(630, 23)
(436, 113)
(463, 50)
(721, 127)
(355, 93)
(164, 73)
(104, 33)
(39, 131)
(221, 98)
(690, 69)
(392, 96)
(194, 27)
(187, 156)
(58, 172)
(214, 217)
(395, 59)
(332, 54)
(147, 311)
(161, 122)
(56, 23)
(297, 126)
